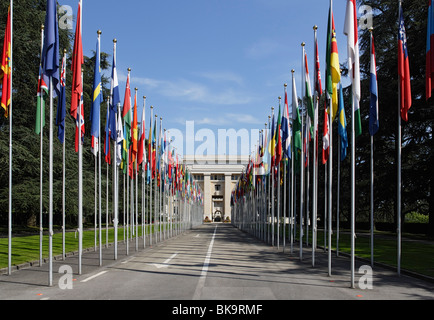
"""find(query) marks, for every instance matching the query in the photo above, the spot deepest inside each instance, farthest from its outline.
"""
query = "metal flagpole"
(10, 157)
(64, 181)
(315, 151)
(99, 175)
(330, 186)
(272, 186)
(150, 180)
(398, 196)
(302, 158)
(80, 185)
(41, 181)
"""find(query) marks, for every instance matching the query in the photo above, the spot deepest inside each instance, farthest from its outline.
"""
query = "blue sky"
(219, 63)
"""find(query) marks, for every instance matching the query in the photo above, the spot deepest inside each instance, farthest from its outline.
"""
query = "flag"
(279, 139)
(79, 124)
(41, 101)
(141, 155)
(126, 116)
(272, 144)
(114, 98)
(430, 50)
(342, 125)
(317, 73)
(153, 151)
(333, 72)
(308, 93)
(119, 139)
(286, 134)
(97, 99)
(350, 30)
(374, 109)
(325, 137)
(107, 137)
(296, 124)
(150, 168)
(134, 132)
(61, 108)
(403, 69)
(6, 67)
(76, 66)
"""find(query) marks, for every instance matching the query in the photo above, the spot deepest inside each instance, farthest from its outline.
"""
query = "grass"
(416, 256)
(26, 248)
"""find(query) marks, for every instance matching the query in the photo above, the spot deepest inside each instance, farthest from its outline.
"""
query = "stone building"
(217, 177)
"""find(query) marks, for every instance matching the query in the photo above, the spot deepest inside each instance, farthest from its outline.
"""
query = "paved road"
(211, 262)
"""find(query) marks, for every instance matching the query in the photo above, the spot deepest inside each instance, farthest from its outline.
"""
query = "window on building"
(218, 187)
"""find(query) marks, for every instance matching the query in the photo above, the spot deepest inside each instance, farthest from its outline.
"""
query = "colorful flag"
(351, 31)
(403, 69)
(272, 145)
(141, 155)
(342, 125)
(107, 137)
(76, 66)
(6, 67)
(41, 101)
(430, 50)
(374, 122)
(97, 99)
(114, 98)
(61, 108)
(134, 132)
(279, 139)
(79, 124)
(126, 116)
(119, 139)
(333, 72)
(317, 78)
(308, 93)
(286, 134)
(325, 137)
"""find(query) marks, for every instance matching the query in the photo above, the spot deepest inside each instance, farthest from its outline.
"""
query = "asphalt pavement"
(213, 262)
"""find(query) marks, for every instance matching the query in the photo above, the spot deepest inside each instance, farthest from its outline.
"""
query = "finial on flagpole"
(285, 85)
(371, 29)
(303, 44)
(114, 40)
(99, 32)
(315, 27)
(42, 27)
(292, 71)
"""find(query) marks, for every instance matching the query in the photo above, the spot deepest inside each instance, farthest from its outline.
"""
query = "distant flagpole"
(302, 160)
(41, 181)
(10, 149)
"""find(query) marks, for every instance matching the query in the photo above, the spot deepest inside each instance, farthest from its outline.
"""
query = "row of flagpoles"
(283, 150)
(175, 199)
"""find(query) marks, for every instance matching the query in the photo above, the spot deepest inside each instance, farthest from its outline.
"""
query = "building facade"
(217, 176)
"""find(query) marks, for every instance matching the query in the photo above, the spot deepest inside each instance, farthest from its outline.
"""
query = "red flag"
(134, 132)
(6, 70)
(403, 69)
(76, 66)
(141, 147)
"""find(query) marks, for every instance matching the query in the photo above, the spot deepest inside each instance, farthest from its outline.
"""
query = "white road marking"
(202, 279)
(94, 276)
(165, 264)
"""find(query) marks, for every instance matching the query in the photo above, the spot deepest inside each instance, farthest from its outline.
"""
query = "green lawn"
(26, 248)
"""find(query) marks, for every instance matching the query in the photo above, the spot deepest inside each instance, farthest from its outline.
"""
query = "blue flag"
(114, 99)
(97, 98)
(61, 108)
(50, 51)
(342, 125)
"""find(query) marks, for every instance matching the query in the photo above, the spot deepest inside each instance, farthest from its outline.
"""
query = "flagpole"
(80, 185)
(398, 207)
(10, 153)
(99, 172)
(372, 180)
(302, 161)
(64, 180)
(315, 150)
(41, 181)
